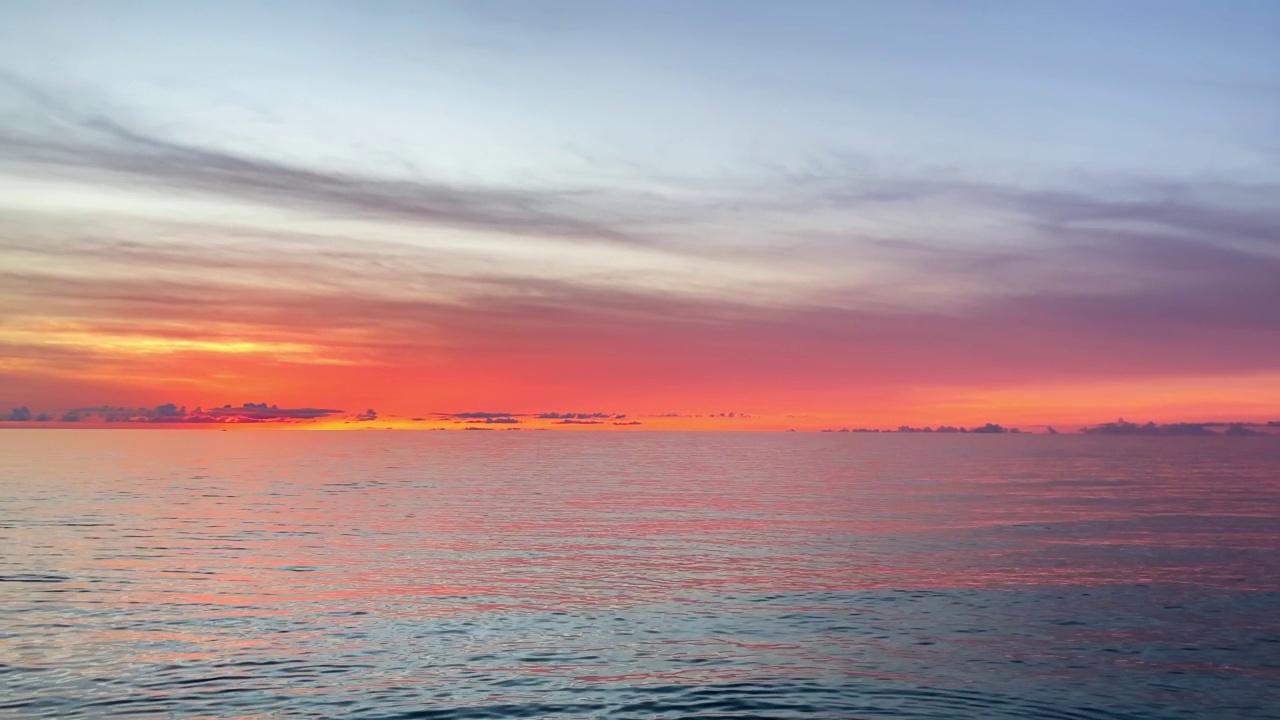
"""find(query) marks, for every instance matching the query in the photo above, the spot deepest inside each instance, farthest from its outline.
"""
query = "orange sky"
(330, 244)
(661, 368)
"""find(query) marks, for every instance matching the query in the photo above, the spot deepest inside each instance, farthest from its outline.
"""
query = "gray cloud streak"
(69, 141)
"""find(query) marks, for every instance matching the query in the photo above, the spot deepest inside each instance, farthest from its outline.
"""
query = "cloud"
(992, 429)
(1122, 427)
(262, 411)
(63, 140)
(1129, 280)
(571, 421)
(631, 422)
(367, 415)
(175, 414)
(18, 414)
(495, 421)
(1230, 428)
(625, 347)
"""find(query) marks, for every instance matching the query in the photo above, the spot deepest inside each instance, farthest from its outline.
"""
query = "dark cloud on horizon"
(725, 415)
(509, 418)
(262, 411)
(173, 413)
(24, 414)
(1123, 427)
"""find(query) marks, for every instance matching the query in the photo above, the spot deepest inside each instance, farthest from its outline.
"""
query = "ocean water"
(204, 574)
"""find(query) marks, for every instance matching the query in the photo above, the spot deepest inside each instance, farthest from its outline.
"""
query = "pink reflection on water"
(698, 560)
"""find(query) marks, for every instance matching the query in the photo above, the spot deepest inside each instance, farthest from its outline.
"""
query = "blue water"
(370, 574)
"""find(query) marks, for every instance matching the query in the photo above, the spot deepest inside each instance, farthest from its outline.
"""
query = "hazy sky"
(859, 213)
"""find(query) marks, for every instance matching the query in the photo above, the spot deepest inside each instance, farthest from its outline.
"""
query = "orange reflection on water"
(544, 560)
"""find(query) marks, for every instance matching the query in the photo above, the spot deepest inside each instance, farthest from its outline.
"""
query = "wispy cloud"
(62, 139)
(891, 290)
(1209, 315)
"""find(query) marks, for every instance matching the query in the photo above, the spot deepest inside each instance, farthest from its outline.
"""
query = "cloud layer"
(828, 287)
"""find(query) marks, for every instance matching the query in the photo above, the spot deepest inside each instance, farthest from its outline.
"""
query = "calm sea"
(536, 574)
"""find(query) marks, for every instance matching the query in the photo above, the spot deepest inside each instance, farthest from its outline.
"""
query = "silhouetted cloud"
(367, 415)
(495, 421)
(574, 416)
(1240, 430)
(476, 415)
(262, 411)
(173, 413)
(629, 422)
(992, 429)
(18, 414)
(1124, 427)
(571, 421)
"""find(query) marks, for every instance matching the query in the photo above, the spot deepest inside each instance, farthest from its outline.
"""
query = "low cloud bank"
(171, 413)
(1123, 427)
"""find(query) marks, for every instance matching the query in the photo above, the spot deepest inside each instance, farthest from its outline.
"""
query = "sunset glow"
(781, 359)
(644, 233)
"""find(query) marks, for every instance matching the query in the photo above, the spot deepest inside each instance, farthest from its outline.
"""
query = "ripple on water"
(402, 576)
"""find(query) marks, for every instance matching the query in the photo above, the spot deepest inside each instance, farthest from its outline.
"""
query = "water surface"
(535, 574)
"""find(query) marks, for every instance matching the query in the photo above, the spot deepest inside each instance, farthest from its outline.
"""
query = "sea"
(402, 574)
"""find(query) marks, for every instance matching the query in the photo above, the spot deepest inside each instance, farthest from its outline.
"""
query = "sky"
(708, 214)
